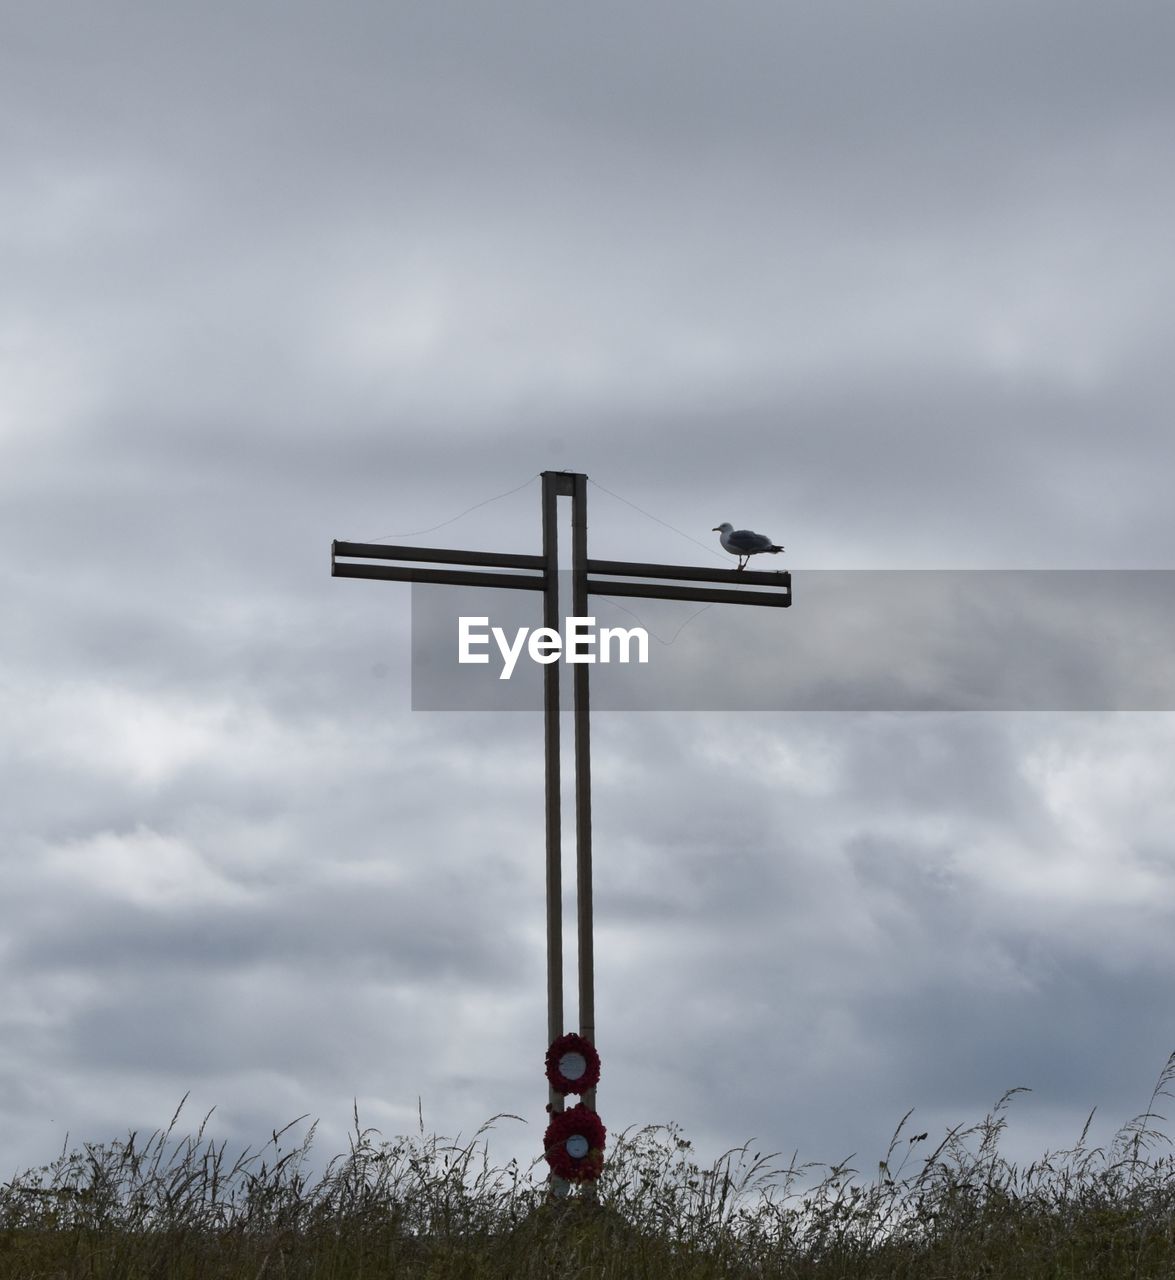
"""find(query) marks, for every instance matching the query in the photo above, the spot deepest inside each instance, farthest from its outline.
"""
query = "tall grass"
(170, 1207)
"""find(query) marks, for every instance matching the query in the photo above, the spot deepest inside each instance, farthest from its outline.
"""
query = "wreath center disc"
(577, 1146)
(572, 1065)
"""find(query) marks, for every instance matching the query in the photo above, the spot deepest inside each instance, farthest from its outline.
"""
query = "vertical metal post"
(551, 742)
(583, 778)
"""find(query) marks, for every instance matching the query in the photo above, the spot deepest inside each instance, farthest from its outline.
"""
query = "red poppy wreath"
(574, 1144)
(573, 1065)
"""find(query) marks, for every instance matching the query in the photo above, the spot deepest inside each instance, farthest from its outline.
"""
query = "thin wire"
(415, 533)
(659, 521)
(672, 529)
(616, 604)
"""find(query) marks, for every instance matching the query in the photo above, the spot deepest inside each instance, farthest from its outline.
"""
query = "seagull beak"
(716, 529)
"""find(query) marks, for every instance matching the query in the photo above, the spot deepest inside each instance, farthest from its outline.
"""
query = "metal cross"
(588, 577)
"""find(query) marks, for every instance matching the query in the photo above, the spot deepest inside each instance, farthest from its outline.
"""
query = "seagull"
(745, 544)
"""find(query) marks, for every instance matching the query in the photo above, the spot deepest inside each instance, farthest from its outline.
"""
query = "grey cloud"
(893, 285)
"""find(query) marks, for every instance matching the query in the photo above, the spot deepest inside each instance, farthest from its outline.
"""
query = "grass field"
(416, 1208)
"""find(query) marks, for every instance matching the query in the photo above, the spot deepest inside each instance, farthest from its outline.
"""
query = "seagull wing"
(745, 541)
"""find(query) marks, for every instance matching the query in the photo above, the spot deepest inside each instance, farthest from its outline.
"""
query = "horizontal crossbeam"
(438, 555)
(732, 592)
(454, 577)
(655, 591)
(685, 573)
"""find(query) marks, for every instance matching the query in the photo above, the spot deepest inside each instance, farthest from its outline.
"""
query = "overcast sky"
(890, 282)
